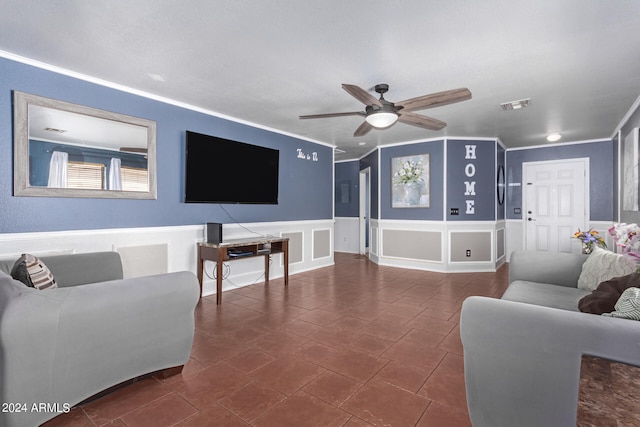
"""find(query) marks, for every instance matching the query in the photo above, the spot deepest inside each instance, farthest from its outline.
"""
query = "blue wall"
(601, 174)
(306, 187)
(501, 159)
(480, 164)
(487, 153)
(347, 181)
(435, 149)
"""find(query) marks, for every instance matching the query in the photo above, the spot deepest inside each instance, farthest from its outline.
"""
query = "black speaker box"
(214, 232)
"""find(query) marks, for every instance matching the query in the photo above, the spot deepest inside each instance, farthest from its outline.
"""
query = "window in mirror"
(85, 175)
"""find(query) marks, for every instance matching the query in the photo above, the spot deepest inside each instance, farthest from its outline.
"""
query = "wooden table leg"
(266, 269)
(222, 255)
(285, 249)
(200, 269)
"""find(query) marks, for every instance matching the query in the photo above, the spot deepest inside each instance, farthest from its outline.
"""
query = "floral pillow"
(603, 265)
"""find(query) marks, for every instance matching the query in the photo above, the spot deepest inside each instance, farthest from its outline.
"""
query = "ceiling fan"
(382, 114)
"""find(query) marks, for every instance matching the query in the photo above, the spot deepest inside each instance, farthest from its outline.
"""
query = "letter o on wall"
(470, 170)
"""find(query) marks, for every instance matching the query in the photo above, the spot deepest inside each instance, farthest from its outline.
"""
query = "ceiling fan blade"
(363, 129)
(324, 116)
(419, 120)
(435, 99)
(361, 95)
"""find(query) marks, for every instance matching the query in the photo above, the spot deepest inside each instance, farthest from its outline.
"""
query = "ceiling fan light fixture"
(381, 119)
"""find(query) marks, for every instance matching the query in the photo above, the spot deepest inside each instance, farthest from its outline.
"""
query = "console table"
(231, 250)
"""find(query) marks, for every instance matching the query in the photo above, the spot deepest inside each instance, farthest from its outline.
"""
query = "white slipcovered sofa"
(61, 346)
(522, 353)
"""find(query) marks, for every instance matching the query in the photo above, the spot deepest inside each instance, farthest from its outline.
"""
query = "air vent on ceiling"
(516, 105)
(55, 130)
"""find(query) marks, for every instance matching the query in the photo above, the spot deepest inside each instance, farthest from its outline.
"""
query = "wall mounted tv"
(220, 170)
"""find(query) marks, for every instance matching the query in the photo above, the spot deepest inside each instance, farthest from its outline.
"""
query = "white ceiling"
(267, 62)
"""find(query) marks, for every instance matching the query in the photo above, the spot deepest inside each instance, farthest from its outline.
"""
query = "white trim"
(181, 242)
(374, 149)
(345, 161)
(441, 138)
(364, 183)
(16, 237)
(626, 117)
(502, 259)
(559, 144)
(346, 234)
(127, 89)
(445, 229)
(620, 173)
(445, 200)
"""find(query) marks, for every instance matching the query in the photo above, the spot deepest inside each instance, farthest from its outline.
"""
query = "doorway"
(365, 210)
(555, 202)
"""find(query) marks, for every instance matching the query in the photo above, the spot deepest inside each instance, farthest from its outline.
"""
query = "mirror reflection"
(68, 150)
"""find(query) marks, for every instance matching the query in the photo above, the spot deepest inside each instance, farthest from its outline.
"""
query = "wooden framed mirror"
(69, 150)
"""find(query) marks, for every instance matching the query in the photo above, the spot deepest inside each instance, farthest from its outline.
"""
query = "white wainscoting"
(347, 234)
(180, 244)
(441, 257)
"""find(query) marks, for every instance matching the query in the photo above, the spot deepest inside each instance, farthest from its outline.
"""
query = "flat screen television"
(220, 170)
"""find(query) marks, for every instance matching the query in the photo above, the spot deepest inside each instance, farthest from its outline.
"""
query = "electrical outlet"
(454, 211)
(468, 252)
(516, 211)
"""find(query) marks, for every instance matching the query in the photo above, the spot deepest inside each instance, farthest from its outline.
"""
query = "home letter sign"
(470, 172)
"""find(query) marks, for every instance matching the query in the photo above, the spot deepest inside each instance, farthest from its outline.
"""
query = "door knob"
(530, 219)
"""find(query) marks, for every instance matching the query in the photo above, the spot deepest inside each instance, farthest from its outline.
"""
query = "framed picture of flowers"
(410, 181)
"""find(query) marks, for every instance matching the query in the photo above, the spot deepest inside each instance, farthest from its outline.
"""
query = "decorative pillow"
(604, 298)
(603, 265)
(32, 272)
(628, 306)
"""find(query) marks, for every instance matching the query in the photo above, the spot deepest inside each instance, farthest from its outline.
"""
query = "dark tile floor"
(354, 344)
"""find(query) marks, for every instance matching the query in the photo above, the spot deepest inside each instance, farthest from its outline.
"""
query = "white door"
(556, 199)
(365, 207)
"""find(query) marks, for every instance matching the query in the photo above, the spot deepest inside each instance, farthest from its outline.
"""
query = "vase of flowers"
(409, 175)
(590, 239)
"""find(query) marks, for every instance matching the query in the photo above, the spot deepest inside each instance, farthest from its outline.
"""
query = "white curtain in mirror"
(58, 170)
(115, 174)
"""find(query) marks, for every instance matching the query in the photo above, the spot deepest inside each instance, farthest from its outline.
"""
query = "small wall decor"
(304, 156)
(410, 181)
(500, 185)
(344, 192)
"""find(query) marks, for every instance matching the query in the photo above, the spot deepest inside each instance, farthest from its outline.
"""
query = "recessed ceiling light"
(362, 143)
(553, 137)
(516, 105)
